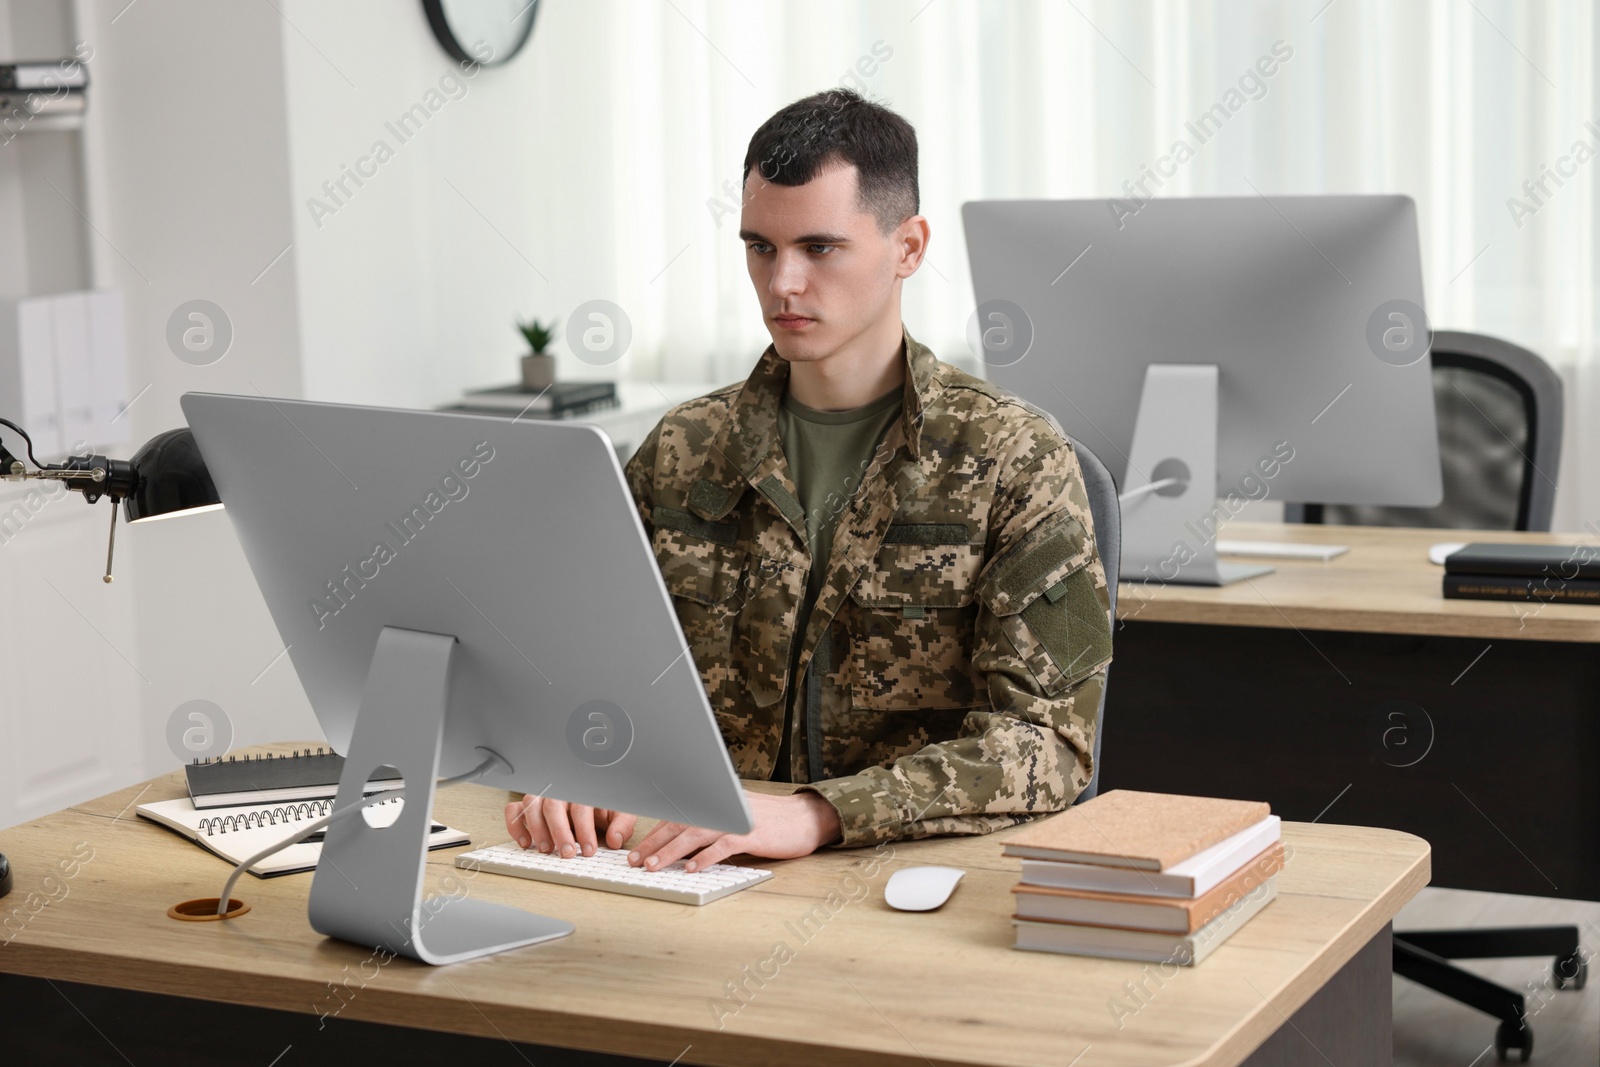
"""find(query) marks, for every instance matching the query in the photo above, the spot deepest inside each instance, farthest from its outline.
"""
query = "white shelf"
(69, 123)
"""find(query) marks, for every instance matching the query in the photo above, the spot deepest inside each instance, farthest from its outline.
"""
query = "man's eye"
(759, 248)
(819, 250)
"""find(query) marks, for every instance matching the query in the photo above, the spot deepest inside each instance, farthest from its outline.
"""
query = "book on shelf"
(306, 775)
(561, 398)
(1191, 877)
(15, 103)
(1136, 830)
(1145, 945)
(1136, 911)
(239, 832)
(44, 75)
(1556, 562)
(1546, 589)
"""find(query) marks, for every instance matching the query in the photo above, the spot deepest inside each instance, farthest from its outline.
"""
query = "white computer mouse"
(1438, 552)
(921, 888)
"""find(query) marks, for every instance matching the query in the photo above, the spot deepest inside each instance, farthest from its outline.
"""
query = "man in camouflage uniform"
(937, 669)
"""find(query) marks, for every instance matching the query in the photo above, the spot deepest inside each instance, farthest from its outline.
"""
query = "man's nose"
(788, 275)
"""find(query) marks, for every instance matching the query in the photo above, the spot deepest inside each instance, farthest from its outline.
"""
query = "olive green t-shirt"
(828, 453)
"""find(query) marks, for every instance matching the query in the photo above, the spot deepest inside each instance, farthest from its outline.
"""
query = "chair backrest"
(1499, 408)
(1106, 513)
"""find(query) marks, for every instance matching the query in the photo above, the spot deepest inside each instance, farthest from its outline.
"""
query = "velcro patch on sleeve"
(1042, 558)
(1073, 627)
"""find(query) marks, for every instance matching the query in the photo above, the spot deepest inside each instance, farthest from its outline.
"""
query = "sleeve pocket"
(1050, 605)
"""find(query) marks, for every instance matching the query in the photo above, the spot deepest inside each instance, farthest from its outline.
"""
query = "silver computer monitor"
(1309, 308)
(488, 573)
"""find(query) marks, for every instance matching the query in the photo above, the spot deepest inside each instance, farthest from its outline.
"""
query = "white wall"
(408, 292)
(211, 126)
(189, 192)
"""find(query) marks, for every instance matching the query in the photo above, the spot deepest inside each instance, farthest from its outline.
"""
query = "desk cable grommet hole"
(205, 910)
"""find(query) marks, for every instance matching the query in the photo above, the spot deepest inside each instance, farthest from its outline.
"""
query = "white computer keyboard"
(1280, 549)
(608, 869)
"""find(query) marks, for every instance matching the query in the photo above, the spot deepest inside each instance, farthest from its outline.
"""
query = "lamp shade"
(169, 477)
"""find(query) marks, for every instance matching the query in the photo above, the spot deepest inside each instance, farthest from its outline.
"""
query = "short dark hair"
(839, 126)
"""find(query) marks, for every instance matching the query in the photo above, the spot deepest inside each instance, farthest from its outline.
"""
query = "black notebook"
(559, 398)
(1546, 590)
(1526, 561)
(307, 775)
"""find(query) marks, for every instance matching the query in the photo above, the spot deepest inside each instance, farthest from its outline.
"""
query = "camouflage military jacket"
(951, 670)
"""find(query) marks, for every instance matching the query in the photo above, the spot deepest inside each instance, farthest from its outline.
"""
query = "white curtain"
(1485, 111)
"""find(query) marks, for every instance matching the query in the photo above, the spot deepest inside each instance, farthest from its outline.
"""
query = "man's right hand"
(551, 825)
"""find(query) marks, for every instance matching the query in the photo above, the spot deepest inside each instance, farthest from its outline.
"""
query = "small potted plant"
(538, 366)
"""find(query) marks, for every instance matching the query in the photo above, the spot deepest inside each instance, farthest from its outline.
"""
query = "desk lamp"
(166, 477)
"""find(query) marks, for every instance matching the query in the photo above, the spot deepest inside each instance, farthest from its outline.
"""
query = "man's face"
(823, 272)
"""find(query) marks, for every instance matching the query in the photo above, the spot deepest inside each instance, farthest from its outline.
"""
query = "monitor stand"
(1169, 512)
(369, 882)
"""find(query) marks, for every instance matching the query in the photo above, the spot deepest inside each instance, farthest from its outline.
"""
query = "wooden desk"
(1352, 687)
(865, 984)
(1384, 584)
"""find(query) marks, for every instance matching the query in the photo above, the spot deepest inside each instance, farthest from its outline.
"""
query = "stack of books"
(1145, 876)
(560, 400)
(1561, 574)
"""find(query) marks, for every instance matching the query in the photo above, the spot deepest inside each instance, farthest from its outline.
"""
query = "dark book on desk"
(1546, 589)
(1531, 561)
(271, 779)
(562, 398)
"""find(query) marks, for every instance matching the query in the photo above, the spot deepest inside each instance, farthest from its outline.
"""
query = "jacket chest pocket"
(737, 611)
(703, 578)
(911, 628)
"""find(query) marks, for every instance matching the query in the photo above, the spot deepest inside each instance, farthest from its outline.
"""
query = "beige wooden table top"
(1384, 584)
(857, 983)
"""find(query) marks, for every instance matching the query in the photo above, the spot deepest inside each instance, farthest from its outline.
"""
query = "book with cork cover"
(1136, 830)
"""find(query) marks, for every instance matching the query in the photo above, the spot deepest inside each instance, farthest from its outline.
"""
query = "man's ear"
(911, 239)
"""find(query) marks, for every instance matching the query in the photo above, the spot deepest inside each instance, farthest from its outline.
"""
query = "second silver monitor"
(1293, 298)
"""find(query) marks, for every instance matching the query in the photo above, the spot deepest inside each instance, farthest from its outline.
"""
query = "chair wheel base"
(1509, 1036)
(1570, 972)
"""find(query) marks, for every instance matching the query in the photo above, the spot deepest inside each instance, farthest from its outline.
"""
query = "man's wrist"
(826, 816)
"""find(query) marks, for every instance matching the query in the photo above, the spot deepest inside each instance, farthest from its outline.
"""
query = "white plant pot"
(538, 371)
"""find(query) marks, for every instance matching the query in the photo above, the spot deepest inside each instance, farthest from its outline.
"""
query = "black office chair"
(1106, 513)
(1499, 408)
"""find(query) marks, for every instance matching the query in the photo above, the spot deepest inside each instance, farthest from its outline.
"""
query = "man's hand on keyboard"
(785, 827)
(566, 829)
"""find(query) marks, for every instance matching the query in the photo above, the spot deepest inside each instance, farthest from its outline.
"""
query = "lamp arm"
(7, 460)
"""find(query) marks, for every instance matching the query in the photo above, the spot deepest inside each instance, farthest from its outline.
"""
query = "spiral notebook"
(238, 833)
(272, 779)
